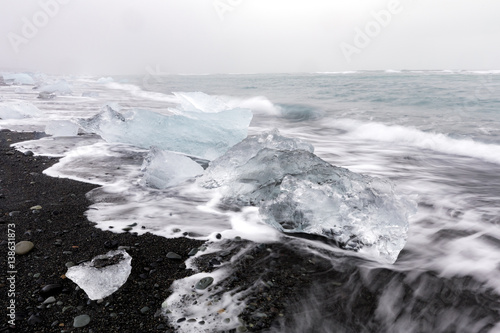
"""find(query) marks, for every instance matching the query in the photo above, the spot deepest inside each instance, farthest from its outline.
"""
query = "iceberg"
(103, 275)
(201, 134)
(164, 169)
(18, 110)
(62, 128)
(18, 79)
(60, 88)
(298, 192)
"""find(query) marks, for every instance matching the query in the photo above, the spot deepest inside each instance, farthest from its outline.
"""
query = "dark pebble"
(111, 244)
(173, 255)
(51, 290)
(204, 283)
(34, 319)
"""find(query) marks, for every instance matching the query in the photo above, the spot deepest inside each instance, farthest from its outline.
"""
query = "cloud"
(190, 36)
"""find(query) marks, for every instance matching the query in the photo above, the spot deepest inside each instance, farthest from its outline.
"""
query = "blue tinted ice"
(59, 88)
(18, 79)
(197, 133)
(164, 169)
(298, 192)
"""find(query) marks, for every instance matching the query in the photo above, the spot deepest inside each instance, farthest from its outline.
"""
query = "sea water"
(434, 134)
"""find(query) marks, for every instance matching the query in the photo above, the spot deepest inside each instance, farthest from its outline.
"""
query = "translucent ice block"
(164, 169)
(298, 192)
(102, 276)
(201, 134)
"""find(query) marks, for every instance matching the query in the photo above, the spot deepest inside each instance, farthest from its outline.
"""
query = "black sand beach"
(62, 234)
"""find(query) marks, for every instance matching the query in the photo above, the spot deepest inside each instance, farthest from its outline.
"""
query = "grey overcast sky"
(247, 36)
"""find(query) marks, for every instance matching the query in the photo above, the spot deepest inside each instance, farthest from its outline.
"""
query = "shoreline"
(286, 289)
(282, 279)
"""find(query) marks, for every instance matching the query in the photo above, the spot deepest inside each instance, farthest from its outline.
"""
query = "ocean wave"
(258, 104)
(416, 138)
(138, 92)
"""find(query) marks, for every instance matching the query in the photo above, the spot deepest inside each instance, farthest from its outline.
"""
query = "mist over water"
(435, 135)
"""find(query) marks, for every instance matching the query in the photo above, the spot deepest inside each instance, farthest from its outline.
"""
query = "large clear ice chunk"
(226, 170)
(298, 192)
(18, 110)
(196, 133)
(103, 275)
(164, 169)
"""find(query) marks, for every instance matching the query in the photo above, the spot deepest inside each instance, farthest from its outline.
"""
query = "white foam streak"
(98, 164)
(258, 104)
(138, 92)
(407, 136)
(195, 305)
(248, 225)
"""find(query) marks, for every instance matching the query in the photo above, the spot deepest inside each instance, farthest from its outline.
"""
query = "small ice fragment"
(46, 95)
(18, 110)
(62, 128)
(60, 88)
(102, 276)
(164, 169)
